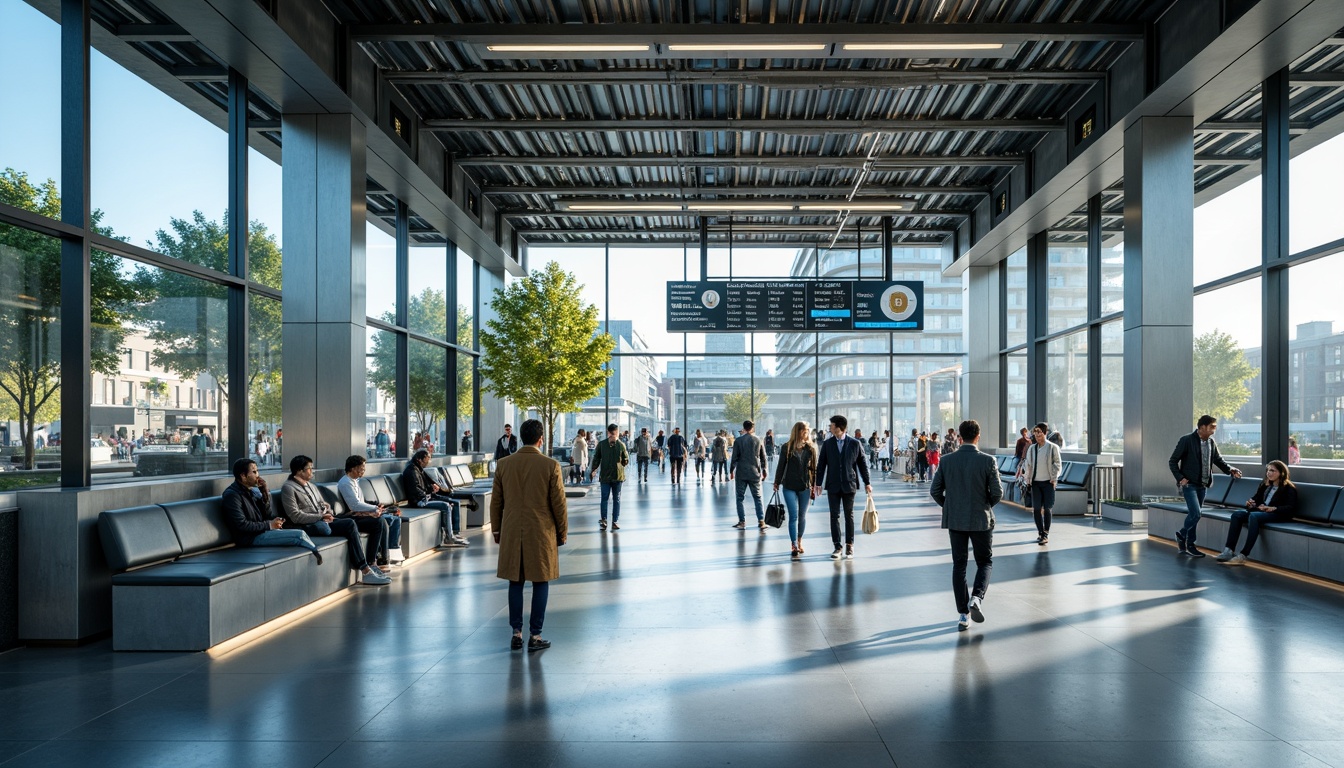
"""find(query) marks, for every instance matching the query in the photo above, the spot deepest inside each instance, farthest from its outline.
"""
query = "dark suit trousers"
(982, 542)
(837, 500)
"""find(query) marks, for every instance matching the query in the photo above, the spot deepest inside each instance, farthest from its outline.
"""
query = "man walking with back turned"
(967, 487)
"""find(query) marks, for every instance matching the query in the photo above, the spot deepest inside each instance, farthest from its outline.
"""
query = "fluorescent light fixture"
(732, 47)
(739, 207)
(568, 48)
(922, 46)
(844, 206)
(599, 207)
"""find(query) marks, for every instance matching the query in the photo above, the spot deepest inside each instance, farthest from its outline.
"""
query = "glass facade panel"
(1066, 388)
(857, 388)
(1316, 359)
(380, 272)
(171, 385)
(173, 179)
(717, 390)
(1113, 275)
(638, 313)
(1227, 233)
(265, 418)
(785, 393)
(30, 358)
(1015, 399)
(1015, 308)
(1066, 284)
(427, 274)
(466, 369)
(1313, 196)
(465, 272)
(428, 399)
(1227, 359)
(1113, 387)
(30, 100)
(264, 211)
(380, 399)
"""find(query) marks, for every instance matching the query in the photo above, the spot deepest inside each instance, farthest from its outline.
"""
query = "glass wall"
(30, 356)
(1015, 396)
(1113, 387)
(1316, 359)
(1227, 232)
(265, 396)
(428, 397)
(30, 100)
(380, 271)
(1066, 388)
(1226, 359)
(265, 214)
(1067, 277)
(427, 277)
(380, 402)
(1313, 197)
(1015, 306)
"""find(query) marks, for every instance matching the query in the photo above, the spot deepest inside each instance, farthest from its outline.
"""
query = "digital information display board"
(783, 306)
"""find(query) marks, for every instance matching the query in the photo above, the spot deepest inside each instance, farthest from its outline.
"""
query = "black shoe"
(1192, 551)
(614, 527)
(537, 644)
(517, 643)
(1180, 542)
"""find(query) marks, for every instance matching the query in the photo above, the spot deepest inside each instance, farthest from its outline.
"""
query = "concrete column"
(982, 315)
(324, 285)
(1159, 299)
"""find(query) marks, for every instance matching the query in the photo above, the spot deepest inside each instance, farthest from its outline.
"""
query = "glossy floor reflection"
(680, 641)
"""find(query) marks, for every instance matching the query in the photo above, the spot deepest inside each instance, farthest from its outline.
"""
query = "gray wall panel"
(1183, 32)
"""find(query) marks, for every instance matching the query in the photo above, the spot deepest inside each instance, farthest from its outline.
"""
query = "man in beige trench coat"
(530, 521)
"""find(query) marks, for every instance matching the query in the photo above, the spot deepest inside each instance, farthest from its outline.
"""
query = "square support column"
(1159, 298)
(983, 335)
(324, 330)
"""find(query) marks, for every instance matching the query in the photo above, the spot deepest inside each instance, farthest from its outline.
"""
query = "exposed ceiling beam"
(737, 191)
(1225, 160)
(206, 74)
(1244, 126)
(1317, 78)
(738, 33)
(723, 230)
(772, 78)
(767, 125)
(722, 161)
(153, 33)
(523, 214)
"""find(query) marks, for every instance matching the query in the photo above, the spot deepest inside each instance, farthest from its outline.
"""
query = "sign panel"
(784, 306)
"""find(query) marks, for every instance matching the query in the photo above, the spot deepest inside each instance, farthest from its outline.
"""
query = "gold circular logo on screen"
(898, 302)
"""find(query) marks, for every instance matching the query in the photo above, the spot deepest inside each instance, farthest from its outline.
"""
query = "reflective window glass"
(1066, 388)
(30, 100)
(30, 357)
(265, 371)
(1227, 364)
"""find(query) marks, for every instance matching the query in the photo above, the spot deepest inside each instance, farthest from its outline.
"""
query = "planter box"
(1126, 515)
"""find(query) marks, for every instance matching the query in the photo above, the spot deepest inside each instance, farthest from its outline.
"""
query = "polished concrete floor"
(682, 642)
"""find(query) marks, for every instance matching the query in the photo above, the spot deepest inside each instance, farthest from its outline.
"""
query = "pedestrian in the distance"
(578, 454)
(530, 522)
(611, 459)
(676, 452)
(746, 466)
(967, 488)
(1041, 466)
(699, 450)
(718, 469)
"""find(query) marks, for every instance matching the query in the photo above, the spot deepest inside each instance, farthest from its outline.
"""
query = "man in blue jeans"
(248, 513)
(609, 462)
(1192, 465)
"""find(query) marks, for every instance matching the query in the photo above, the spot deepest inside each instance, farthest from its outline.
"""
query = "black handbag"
(775, 513)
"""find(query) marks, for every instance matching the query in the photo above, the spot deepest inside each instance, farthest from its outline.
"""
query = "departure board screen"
(784, 306)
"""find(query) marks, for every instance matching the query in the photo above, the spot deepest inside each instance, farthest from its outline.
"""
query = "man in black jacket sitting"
(425, 493)
(248, 513)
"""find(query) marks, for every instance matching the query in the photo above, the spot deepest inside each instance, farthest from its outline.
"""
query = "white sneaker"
(963, 623)
(460, 539)
(1237, 559)
(976, 613)
(837, 554)
(395, 556)
(374, 578)
(1226, 555)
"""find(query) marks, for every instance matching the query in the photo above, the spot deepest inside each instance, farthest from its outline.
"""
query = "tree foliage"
(1221, 372)
(30, 345)
(542, 349)
(428, 398)
(738, 407)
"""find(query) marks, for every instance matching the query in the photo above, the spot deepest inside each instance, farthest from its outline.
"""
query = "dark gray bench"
(1312, 543)
(1071, 492)
(180, 584)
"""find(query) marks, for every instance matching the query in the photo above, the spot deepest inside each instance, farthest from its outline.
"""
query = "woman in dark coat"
(1274, 501)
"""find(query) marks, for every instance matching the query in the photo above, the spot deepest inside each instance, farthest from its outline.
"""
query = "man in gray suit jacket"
(967, 487)
(747, 467)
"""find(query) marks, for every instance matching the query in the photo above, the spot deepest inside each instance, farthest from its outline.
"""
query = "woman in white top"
(700, 449)
(884, 454)
(579, 453)
(1040, 468)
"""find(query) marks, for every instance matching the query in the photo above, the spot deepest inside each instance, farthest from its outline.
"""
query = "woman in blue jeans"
(796, 471)
(1274, 501)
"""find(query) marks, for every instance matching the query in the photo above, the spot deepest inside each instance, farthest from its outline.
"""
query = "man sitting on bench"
(303, 507)
(427, 494)
(247, 511)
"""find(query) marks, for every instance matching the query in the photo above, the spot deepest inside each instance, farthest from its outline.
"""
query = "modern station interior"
(1121, 215)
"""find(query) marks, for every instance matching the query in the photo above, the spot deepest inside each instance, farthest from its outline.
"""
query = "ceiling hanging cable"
(858, 184)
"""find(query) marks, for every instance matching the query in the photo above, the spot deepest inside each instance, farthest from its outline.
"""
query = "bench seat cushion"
(1314, 502)
(187, 573)
(199, 524)
(263, 556)
(137, 536)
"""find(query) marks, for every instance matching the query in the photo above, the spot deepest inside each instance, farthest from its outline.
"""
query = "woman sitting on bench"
(1274, 501)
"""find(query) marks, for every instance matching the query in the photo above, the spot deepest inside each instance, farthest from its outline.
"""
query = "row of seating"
(180, 584)
(1312, 543)
(1071, 493)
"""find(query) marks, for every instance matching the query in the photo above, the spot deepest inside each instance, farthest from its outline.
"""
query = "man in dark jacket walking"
(676, 451)
(507, 445)
(839, 469)
(746, 467)
(1192, 465)
(967, 487)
